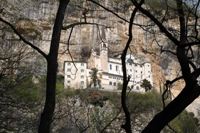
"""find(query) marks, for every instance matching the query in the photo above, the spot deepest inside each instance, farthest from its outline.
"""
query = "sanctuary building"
(78, 74)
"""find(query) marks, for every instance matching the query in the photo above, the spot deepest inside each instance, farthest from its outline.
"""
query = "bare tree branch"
(118, 16)
(80, 23)
(52, 66)
(107, 9)
(114, 118)
(191, 90)
(127, 125)
(159, 24)
(23, 39)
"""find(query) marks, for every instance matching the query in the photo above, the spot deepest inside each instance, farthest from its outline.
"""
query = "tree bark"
(174, 108)
(191, 90)
(127, 125)
(52, 65)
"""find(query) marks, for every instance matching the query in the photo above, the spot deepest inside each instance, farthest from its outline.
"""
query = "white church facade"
(78, 73)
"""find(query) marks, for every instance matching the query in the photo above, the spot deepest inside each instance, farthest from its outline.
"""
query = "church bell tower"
(104, 56)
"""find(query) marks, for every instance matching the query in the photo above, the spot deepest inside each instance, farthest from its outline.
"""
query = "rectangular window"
(68, 63)
(82, 76)
(110, 67)
(114, 84)
(116, 68)
(82, 70)
(69, 70)
(68, 76)
(82, 82)
(82, 64)
(110, 83)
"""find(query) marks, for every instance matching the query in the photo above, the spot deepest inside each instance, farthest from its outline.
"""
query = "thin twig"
(23, 39)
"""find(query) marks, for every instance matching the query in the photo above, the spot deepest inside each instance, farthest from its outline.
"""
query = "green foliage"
(89, 96)
(121, 6)
(113, 97)
(146, 85)
(147, 102)
(70, 92)
(119, 86)
(154, 4)
(28, 91)
(138, 102)
(94, 75)
(185, 123)
(96, 98)
(95, 79)
(158, 5)
(59, 85)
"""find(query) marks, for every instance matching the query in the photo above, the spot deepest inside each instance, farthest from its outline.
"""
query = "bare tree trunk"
(191, 90)
(127, 125)
(52, 65)
(174, 108)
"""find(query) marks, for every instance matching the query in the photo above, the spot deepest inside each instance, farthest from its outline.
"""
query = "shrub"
(59, 85)
(146, 85)
(185, 123)
(28, 91)
(138, 102)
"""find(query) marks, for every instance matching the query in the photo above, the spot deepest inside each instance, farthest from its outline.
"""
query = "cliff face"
(35, 20)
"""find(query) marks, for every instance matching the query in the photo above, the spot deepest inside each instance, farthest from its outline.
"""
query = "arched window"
(104, 45)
